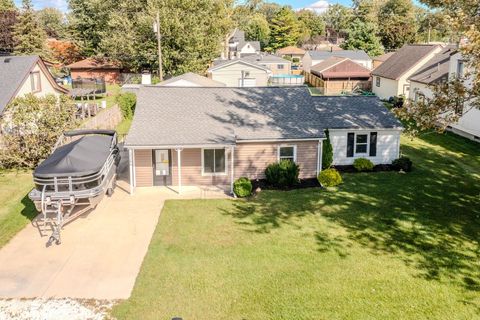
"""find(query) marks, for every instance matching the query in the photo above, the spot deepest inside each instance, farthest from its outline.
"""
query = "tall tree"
(87, 20)
(28, 36)
(192, 33)
(7, 5)
(8, 18)
(397, 24)
(52, 21)
(257, 28)
(338, 17)
(284, 30)
(312, 24)
(361, 36)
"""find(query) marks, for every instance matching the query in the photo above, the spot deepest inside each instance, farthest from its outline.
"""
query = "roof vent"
(7, 60)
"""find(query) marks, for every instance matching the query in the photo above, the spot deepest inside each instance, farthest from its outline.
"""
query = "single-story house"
(239, 47)
(444, 66)
(21, 75)
(377, 61)
(312, 58)
(390, 79)
(95, 68)
(212, 136)
(294, 53)
(276, 64)
(239, 73)
(191, 79)
(341, 75)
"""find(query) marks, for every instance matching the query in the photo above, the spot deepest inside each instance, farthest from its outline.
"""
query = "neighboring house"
(294, 53)
(238, 47)
(239, 73)
(235, 132)
(276, 64)
(341, 75)
(191, 79)
(95, 68)
(390, 79)
(20, 75)
(445, 66)
(377, 61)
(312, 58)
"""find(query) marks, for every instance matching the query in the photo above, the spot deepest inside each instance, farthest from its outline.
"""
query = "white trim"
(130, 164)
(319, 156)
(185, 146)
(215, 173)
(232, 174)
(287, 146)
(134, 170)
(237, 61)
(279, 140)
(179, 168)
(366, 129)
(366, 153)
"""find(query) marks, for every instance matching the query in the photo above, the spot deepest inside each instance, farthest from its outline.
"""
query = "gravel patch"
(53, 309)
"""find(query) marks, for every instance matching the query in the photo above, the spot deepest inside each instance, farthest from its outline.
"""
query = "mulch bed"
(377, 168)
(304, 183)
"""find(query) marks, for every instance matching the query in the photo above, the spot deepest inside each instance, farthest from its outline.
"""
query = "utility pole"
(159, 42)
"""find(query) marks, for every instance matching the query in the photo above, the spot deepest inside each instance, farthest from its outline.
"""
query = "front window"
(361, 143)
(214, 161)
(460, 69)
(35, 81)
(377, 81)
(287, 153)
(280, 66)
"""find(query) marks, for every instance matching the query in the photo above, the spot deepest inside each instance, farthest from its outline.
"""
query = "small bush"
(329, 178)
(242, 187)
(362, 164)
(282, 174)
(402, 163)
(127, 102)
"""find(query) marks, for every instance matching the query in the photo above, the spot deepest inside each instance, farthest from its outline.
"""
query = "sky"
(297, 4)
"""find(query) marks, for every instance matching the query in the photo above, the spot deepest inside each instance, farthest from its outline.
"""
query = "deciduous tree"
(397, 24)
(361, 36)
(284, 30)
(52, 21)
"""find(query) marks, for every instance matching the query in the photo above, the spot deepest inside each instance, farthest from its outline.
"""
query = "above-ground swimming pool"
(287, 79)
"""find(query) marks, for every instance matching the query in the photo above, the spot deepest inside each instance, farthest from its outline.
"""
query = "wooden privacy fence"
(105, 119)
(314, 80)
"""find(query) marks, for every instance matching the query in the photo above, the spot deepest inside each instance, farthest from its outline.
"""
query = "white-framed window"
(287, 153)
(35, 81)
(214, 162)
(361, 143)
(460, 68)
(377, 81)
(280, 66)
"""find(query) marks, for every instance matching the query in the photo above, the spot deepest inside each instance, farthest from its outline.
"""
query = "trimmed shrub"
(282, 174)
(327, 152)
(329, 178)
(127, 102)
(362, 164)
(402, 163)
(242, 187)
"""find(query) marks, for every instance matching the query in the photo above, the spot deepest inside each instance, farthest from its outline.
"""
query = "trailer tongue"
(74, 178)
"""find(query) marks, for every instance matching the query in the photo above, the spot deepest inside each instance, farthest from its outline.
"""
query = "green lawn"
(383, 246)
(16, 210)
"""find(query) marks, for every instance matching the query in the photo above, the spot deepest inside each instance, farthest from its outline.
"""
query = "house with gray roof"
(20, 75)
(312, 58)
(391, 78)
(183, 136)
(191, 79)
(239, 47)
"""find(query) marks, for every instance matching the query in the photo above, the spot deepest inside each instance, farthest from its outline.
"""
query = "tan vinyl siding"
(251, 159)
(230, 75)
(191, 169)
(143, 168)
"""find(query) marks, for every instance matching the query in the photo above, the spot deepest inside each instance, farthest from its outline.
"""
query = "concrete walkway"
(101, 252)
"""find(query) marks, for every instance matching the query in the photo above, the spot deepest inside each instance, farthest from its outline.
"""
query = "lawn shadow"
(28, 211)
(429, 218)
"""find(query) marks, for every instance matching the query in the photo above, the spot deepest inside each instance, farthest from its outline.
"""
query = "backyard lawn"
(382, 246)
(16, 210)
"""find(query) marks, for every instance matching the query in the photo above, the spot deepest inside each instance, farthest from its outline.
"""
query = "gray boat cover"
(81, 157)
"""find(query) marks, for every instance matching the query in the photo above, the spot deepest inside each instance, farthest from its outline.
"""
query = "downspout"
(232, 175)
(319, 156)
(179, 169)
(130, 162)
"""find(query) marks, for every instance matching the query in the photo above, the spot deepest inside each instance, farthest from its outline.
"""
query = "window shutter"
(373, 144)
(350, 144)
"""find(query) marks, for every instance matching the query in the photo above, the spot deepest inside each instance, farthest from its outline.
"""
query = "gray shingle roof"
(13, 71)
(351, 54)
(403, 60)
(197, 79)
(172, 116)
(436, 69)
(264, 58)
